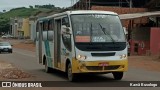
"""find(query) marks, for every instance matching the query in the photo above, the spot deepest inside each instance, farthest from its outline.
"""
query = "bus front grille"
(103, 68)
(94, 67)
(103, 54)
(111, 67)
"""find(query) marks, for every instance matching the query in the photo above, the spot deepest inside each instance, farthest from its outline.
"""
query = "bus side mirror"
(65, 21)
(125, 31)
(66, 30)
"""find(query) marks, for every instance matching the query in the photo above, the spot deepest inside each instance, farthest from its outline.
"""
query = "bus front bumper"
(99, 66)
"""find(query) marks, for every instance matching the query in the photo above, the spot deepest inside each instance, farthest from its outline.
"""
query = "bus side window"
(45, 29)
(37, 31)
(50, 30)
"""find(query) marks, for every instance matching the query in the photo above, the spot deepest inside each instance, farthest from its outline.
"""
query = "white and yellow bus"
(83, 41)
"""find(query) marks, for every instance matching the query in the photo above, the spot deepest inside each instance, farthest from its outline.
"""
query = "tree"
(4, 25)
(30, 6)
(45, 6)
(36, 6)
(4, 11)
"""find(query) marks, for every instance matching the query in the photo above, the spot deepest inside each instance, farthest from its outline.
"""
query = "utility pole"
(86, 4)
(120, 3)
(89, 4)
(76, 4)
(72, 2)
(130, 3)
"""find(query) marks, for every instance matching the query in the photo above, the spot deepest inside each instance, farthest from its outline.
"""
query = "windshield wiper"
(106, 33)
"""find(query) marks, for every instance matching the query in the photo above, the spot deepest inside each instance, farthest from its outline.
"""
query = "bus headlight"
(123, 56)
(81, 57)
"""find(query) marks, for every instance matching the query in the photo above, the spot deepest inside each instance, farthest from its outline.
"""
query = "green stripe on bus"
(48, 53)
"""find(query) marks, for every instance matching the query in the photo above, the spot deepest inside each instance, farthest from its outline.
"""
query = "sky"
(9, 4)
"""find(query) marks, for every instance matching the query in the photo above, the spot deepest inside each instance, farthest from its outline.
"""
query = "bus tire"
(47, 69)
(117, 75)
(71, 76)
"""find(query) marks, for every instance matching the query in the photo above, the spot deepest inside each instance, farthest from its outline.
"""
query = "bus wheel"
(47, 69)
(117, 75)
(71, 76)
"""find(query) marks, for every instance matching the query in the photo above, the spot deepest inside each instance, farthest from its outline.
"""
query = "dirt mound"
(13, 73)
(8, 71)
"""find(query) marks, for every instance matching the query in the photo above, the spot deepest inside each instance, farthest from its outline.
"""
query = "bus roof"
(80, 12)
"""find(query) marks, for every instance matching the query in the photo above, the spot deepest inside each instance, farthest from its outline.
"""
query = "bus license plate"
(103, 64)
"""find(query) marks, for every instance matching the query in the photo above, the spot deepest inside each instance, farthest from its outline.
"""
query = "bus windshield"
(97, 28)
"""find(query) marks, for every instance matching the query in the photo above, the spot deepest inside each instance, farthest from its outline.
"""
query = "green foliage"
(4, 24)
(45, 6)
(26, 12)
(19, 12)
(23, 12)
(30, 6)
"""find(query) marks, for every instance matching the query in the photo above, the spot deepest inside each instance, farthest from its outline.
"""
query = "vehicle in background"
(7, 36)
(5, 47)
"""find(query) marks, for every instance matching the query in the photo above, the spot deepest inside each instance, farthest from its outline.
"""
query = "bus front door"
(40, 43)
(57, 43)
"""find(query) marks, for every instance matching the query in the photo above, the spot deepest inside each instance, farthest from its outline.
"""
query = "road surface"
(26, 61)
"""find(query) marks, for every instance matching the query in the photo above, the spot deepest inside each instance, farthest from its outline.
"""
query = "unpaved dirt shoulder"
(25, 45)
(21, 44)
(149, 63)
(9, 71)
